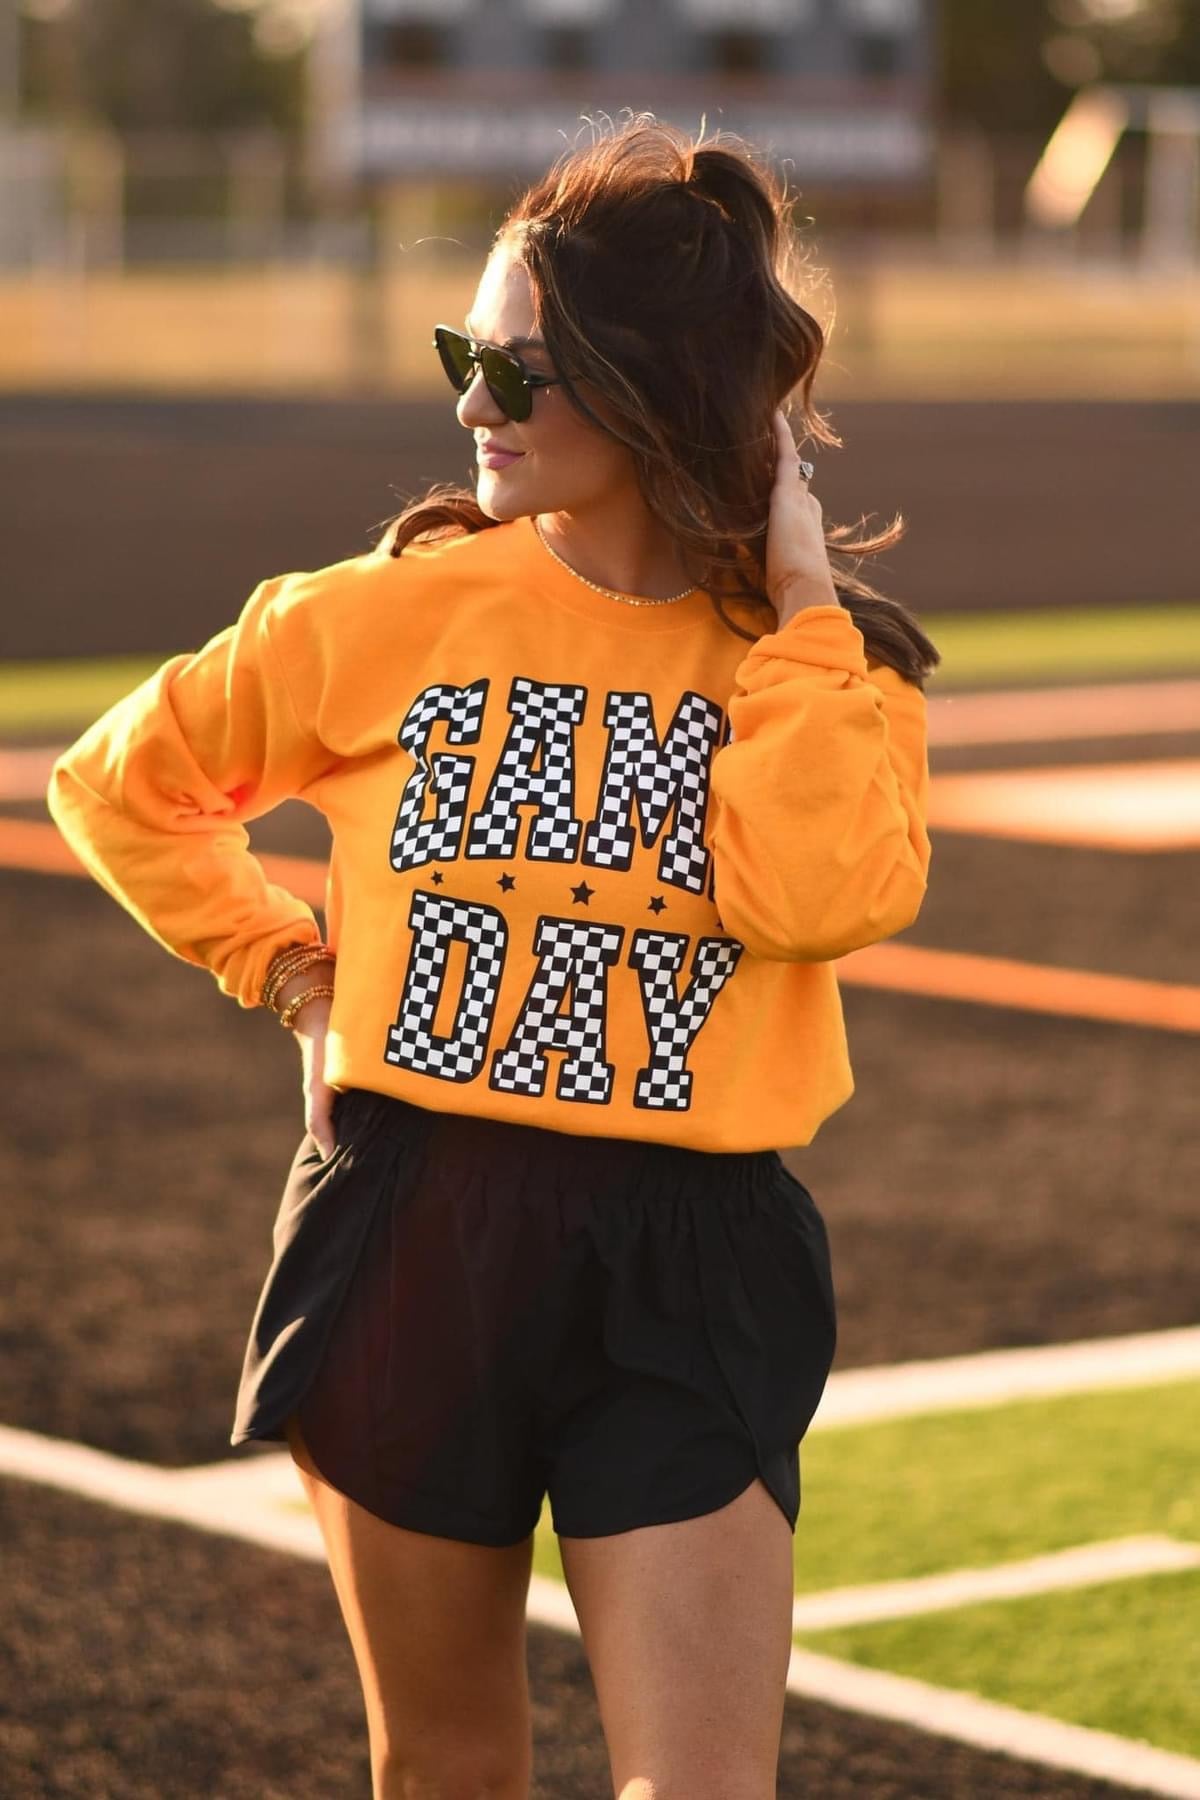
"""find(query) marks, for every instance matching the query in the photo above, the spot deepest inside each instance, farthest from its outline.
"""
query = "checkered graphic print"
(575, 955)
(436, 922)
(544, 718)
(574, 958)
(658, 776)
(673, 1023)
(416, 841)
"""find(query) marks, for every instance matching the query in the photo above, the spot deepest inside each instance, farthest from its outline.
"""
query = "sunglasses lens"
(502, 373)
(506, 383)
(455, 352)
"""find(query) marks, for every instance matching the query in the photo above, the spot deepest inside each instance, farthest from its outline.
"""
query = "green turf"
(1041, 645)
(66, 695)
(1119, 1656)
(914, 1496)
(921, 1495)
(1063, 644)
(925, 1494)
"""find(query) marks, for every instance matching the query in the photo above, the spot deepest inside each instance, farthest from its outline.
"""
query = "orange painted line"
(1043, 715)
(1106, 806)
(30, 845)
(25, 773)
(1028, 987)
(904, 968)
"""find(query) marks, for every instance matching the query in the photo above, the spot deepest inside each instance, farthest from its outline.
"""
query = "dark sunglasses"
(509, 382)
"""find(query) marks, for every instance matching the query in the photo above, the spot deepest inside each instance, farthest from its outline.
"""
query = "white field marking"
(994, 1377)
(259, 1499)
(221, 1498)
(852, 1397)
(990, 1725)
(1036, 715)
(1083, 1565)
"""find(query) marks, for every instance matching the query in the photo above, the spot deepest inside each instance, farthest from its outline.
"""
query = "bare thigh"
(438, 1633)
(688, 1631)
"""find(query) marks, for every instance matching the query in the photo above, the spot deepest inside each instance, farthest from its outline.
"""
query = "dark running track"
(141, 524)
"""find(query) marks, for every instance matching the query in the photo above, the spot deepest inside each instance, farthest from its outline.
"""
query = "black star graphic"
(583, 892)
(657, 904)
(506, 882)
(437, 878)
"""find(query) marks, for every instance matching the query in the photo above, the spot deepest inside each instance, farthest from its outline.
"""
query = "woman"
(618, 758)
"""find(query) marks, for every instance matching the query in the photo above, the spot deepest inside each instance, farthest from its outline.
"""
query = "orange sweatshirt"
(592, 864)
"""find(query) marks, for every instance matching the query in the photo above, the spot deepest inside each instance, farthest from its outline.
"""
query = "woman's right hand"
(309, 1029)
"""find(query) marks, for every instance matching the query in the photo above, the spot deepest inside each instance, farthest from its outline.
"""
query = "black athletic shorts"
(468, 1314)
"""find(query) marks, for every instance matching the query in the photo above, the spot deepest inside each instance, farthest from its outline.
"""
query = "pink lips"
(498, 459)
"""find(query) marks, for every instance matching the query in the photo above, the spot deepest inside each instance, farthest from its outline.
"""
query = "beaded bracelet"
(272, 993)
(293, 956)
(285, 976)
(289, 961)
(287, 1017)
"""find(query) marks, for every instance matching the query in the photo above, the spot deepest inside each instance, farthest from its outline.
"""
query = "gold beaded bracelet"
(287, 1017)
(290, 952)
(272, 996)
(291, 960)
(272, 993)
(286, 963)
(294, 956)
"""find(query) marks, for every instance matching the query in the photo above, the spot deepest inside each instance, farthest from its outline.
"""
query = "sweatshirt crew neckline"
(572, 594)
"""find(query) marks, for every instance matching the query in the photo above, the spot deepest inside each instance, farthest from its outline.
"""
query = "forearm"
(799, 591)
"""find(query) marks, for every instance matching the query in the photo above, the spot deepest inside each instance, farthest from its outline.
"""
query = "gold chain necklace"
(627, 599)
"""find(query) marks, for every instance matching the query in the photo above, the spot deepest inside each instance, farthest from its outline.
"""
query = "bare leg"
(688, 1631)
(438, 1633)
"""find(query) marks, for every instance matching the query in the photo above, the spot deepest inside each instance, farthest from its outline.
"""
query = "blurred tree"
(177, 64)
(1015, 65)
(215, 63)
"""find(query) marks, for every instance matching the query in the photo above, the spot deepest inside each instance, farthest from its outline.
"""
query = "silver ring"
(806, 468)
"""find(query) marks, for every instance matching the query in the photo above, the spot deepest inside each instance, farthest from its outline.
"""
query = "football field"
(997, 1564)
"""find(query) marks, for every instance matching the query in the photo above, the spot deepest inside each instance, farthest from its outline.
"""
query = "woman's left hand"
(797, 564)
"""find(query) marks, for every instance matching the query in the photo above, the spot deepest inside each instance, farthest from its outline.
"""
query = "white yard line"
(851, 1397)
(259, 1498)
(947, 1712)
(1083, 1565)
(256, 1502)
(992, 1377)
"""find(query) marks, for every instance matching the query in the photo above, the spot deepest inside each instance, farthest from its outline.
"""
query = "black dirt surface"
(142, 522)
(144, 1660)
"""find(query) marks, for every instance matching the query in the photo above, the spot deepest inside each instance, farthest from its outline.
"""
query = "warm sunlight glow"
(1076, 157)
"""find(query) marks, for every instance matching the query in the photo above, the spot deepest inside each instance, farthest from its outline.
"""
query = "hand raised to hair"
(797, 564)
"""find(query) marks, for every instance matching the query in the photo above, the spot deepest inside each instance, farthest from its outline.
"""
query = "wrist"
(796, 592)
(292, 960)
(316, 974)
(309, 1014)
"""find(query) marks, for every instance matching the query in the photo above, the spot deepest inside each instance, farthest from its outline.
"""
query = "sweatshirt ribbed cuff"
(821, 637)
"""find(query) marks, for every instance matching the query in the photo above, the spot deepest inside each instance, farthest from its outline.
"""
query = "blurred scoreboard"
(493, 89)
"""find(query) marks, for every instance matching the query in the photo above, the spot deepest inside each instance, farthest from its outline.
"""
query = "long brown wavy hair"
(662, 268)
